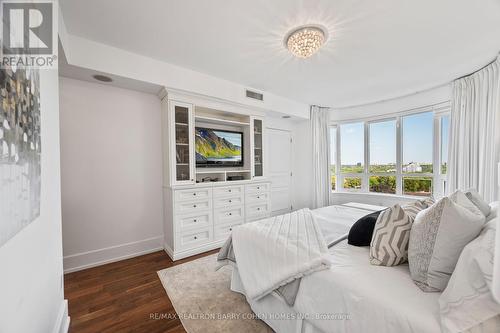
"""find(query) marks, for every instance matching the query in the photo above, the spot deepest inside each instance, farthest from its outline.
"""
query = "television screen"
(218, 148)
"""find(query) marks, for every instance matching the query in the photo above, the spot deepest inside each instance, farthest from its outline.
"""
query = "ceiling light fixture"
(305, 41)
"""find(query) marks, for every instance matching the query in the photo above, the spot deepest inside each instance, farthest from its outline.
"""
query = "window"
(418, 133)
(417, 136)
(333, 157)
(382, 151)
(406, 154)
(352, 148)
(352, 155)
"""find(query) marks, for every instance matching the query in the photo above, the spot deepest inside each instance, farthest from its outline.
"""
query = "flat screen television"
(218, 148)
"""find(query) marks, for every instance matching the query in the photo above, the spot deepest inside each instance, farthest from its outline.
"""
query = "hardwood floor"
(122, 297)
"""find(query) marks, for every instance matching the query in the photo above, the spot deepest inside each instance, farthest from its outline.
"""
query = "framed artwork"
(20, 150)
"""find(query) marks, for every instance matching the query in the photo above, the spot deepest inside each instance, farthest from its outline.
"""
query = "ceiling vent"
(255, 95)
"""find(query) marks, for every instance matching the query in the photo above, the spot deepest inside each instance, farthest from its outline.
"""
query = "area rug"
(203, 301)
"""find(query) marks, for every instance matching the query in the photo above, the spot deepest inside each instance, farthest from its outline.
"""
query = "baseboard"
(191, 252)
(62, 323)
(79, 261)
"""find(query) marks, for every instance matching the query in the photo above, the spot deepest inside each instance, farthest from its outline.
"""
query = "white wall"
(31, 278)
(414, 101)
(111, 173)
(96, 56)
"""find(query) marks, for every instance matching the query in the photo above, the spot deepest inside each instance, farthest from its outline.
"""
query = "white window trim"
(438, 179)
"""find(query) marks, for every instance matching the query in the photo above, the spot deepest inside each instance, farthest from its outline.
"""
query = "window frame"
(438, 179)
(330, 127)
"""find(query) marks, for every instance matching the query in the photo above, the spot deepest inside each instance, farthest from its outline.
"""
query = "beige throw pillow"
(437, 238)
(389, 245)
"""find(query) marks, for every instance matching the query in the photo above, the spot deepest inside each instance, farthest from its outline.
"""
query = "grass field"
(412, 185)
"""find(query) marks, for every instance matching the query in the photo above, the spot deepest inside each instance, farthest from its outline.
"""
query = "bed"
(385, 298)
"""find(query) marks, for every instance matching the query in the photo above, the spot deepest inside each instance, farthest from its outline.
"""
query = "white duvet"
(372, 298)
(273, 252)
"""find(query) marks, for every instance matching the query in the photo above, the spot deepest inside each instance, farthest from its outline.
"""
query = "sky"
(234, 138)
(417, 140)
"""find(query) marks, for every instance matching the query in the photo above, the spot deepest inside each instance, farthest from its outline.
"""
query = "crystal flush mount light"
(305, 41)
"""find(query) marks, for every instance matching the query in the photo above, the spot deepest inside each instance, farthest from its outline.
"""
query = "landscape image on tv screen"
(218, 147)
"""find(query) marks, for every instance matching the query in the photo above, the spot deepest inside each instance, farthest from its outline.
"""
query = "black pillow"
(361, 232)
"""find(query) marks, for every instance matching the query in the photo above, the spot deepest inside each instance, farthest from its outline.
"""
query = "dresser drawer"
(194, 238)
(193, 207)
(193, 194)
(190, 221)
(228, 202)
(257, 209)
(257, 198)
(223, 231)
(222, 192)
(227, 215)
(256, 188)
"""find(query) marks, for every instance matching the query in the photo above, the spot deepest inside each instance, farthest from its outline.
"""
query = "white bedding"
(376, 298)
(335, 221)
(273, 252)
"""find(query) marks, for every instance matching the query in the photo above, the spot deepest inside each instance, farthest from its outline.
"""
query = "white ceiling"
(377, 49)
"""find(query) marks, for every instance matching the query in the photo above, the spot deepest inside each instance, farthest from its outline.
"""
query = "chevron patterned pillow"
(389, 245)
(414, 208)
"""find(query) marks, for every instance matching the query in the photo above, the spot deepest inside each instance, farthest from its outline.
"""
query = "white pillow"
(478, 200)
(437, 238)
(494, 210)
(460, 198)
(467, 300)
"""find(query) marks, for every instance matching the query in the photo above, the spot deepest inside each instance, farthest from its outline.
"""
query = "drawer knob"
(194, 206)
(258, 208)
(258, 197)
(195, 220)
(230, 200)
(194, 194)
(230, 214)
(258, 187)
(195, 237)
(230, 190)
(230, 229)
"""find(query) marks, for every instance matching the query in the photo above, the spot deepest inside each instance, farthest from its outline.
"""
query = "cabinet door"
(182, 138)
(258, 147)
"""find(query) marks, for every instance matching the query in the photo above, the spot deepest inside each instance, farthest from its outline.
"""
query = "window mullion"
(338, 181)
(399, 156)
(365, 187)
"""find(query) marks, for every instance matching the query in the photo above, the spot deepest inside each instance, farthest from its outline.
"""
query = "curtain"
(475, 133)
(320, 149)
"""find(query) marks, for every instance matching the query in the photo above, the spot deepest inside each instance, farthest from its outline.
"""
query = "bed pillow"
(494, 210)
(460, 198)
(467, 301)
(437, 238)
(389, 245)
(412, 209)
(361, 232)
(478, 200)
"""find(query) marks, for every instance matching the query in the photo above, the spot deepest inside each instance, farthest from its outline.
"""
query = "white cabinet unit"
(203, 204)
(202, 218)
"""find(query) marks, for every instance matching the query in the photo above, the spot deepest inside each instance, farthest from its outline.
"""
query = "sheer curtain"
(320, 148)
(475, 132)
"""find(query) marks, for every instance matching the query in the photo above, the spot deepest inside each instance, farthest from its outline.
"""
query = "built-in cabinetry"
(199, 215)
